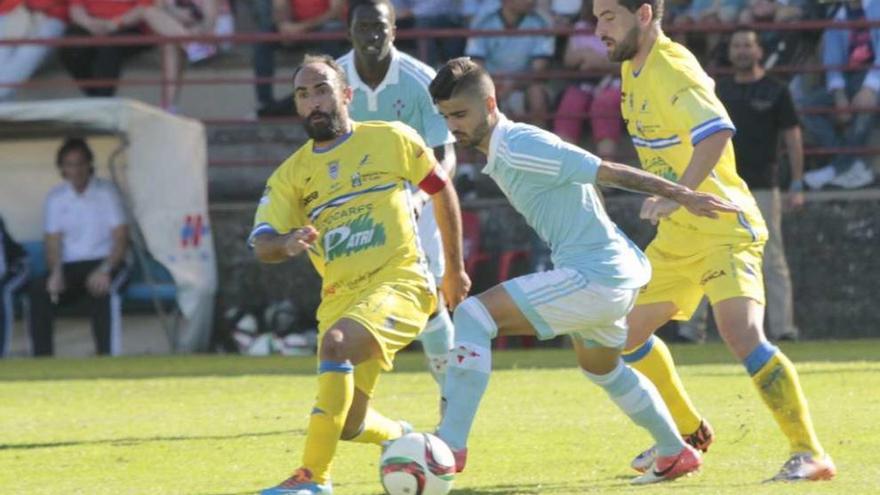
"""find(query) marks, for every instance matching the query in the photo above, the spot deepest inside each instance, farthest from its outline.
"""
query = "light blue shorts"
(564, 302)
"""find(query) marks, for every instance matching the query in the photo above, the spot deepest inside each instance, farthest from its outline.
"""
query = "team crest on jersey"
(333, 169)
(356, 180)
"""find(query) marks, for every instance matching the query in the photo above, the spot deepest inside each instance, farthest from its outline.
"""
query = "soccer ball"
(417, 464)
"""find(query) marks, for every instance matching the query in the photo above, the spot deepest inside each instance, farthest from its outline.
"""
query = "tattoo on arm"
(633, 179)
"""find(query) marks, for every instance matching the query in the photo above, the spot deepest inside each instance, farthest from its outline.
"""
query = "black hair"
(75, 144)
(327, 60)
(656, 7)
(457, 75)
(354, 4)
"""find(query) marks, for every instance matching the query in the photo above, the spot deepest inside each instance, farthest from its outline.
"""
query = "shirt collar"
(497, 136)
(90, 186)
(391, 77)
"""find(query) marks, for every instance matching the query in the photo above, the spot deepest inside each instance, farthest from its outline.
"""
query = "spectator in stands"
(198, 17)
(515, 54)
(86, 240)
(431, 14)
(772, 11)
(598, 95)
(13, 275)
(27, 19)
(857, 87)
(761, 108)
(115, 18)
(705, 45)
(292, 17)
(781, 47)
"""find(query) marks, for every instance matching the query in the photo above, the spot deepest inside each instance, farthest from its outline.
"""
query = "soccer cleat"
(805, 467)
(671, 467)
(700, 439)
(300, 483)
(460, 459)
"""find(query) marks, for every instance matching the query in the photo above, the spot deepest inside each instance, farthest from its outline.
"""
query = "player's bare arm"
(456, 283)
(275, 248)
(704, 158)
(633, 179)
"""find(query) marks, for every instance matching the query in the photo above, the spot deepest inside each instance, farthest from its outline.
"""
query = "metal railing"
(165, 79)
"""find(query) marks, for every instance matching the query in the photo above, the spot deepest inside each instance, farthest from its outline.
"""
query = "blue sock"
(637, 397)
(437, 339)
(759, 357)
(467, 373)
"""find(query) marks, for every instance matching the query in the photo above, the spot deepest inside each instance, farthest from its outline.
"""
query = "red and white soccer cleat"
(671, 467)
(700, 439)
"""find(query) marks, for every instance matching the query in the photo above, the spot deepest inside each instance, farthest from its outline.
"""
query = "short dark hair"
(354, 4)
(744, 28)
(656, 7)
(74, 144)
(311, 58)
(457, 75)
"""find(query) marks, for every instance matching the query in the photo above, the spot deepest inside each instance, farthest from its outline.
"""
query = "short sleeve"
(417, 161)
(696, 108)
(786, 115)
(51, 215)
(278, 210)
(115, 211)
(434, 125)
(547, 157)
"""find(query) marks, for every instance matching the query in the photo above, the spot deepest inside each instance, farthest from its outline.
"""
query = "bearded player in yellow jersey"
(682, 132)
(344, 198)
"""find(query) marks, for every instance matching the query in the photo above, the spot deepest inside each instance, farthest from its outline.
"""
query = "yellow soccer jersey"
(355, 194)
(669, 106)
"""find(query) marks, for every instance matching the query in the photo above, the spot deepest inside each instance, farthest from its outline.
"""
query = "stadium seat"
(36, 254)
(159, 285)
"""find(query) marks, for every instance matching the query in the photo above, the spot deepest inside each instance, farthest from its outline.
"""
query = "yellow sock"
(335, 393)
(779, 386)
(654, 361)
(377, 429)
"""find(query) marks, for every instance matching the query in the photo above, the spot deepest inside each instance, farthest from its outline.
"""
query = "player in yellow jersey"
(682, 132)
(343, 197)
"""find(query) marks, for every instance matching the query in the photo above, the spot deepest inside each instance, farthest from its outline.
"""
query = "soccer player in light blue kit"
(598, 270)
(390, 85)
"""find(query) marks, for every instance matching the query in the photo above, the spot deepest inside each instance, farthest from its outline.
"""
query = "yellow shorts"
(724, 272)
(395, 313)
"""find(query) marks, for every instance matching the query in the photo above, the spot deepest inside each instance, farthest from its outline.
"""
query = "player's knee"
(334, 346)
(472, 319)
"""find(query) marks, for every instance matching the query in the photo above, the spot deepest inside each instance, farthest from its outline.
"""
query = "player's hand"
(795, 200)
(300, 240)
(654, 208)
(706, 205)
(455, 287)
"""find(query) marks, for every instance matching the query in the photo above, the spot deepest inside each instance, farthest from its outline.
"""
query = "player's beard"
(627, 47)
(475, 137)
(329, 129)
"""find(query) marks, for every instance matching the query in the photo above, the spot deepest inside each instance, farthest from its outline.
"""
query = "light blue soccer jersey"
(550, 182)
(403, 95)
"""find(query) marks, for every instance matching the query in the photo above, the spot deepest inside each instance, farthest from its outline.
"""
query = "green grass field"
(233, 425)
